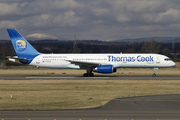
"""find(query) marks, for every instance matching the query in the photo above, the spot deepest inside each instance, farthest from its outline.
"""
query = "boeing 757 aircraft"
(101, 63)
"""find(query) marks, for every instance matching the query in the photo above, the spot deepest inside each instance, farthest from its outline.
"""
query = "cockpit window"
(167, 59)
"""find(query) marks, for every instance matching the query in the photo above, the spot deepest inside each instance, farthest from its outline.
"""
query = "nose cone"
(173, 64)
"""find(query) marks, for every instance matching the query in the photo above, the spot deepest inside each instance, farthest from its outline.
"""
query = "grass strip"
(75, 94)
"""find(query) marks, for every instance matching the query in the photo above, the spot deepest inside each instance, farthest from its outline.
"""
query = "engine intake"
(104, 69)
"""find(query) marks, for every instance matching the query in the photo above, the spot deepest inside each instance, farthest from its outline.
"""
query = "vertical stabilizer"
(22, 47)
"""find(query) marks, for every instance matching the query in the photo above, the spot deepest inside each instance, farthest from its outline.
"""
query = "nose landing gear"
(154, 74)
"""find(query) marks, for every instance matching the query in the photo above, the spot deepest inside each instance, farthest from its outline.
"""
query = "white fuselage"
(117, 60)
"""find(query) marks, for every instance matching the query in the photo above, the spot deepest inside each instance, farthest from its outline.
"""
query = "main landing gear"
(154, 74)
(88, 72)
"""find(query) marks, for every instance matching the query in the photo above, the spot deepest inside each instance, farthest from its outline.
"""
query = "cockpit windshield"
(167, 59)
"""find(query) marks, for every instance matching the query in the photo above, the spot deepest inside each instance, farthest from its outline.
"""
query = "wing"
(84, 64)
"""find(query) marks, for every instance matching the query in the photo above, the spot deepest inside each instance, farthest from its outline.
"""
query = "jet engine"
(104, 69)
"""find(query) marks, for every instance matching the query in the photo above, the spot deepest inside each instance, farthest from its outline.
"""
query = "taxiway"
(147, 107)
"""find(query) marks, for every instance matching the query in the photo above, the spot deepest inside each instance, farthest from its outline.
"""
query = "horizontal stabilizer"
(16, 58)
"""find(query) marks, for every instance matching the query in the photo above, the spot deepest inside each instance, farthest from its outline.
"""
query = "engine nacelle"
(104, 69)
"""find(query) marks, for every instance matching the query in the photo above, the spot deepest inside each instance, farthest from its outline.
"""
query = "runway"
(100, 77)
(148, 107)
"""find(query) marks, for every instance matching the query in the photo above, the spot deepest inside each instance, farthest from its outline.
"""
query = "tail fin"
(22, 47)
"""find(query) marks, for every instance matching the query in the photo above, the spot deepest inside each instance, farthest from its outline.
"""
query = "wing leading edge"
(84, 64)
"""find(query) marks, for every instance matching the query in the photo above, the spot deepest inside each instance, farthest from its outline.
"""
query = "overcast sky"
(91, 19)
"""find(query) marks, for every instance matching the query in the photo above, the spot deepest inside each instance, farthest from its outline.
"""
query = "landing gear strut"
(154, 74)
(88, 73)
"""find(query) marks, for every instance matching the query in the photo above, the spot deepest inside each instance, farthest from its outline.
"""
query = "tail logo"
(20, 45)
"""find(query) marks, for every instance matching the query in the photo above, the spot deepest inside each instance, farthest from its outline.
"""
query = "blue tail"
(22, 47)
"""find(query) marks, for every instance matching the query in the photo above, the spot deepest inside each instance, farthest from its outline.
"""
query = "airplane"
(100, 63)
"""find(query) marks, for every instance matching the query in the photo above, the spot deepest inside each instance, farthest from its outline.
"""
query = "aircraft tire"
(154, 75)
(85, 75)
(91, 74)
(88, 74)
